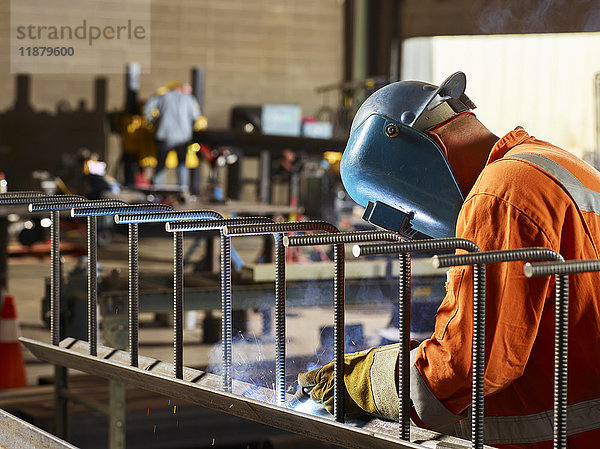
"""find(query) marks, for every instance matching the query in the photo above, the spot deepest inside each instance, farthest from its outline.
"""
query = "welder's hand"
(361, 371)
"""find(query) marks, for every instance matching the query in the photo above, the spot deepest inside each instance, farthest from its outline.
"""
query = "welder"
(422, 163)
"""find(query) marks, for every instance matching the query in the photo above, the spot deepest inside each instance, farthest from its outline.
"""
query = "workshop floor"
(26, 283)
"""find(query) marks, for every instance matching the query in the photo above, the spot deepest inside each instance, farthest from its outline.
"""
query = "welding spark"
(309, 407)
(213, 442)
(174, 409)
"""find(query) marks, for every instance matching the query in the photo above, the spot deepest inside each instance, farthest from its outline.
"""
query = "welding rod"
(96, 210)
(338, 293)
(162, 217)
(404, 325)
(561, 334)
(180, 227)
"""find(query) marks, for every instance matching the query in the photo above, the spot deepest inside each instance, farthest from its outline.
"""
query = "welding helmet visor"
(394, 169)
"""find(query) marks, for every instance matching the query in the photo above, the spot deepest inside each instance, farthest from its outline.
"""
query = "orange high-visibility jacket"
(531, 193)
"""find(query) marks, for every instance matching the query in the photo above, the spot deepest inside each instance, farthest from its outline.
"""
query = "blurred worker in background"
(174, 113)
(512, 192)
(138, 145)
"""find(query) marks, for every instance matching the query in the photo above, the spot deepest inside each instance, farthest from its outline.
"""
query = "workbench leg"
(116, 419)
(3, 255)
(61, 403)
(265, 177)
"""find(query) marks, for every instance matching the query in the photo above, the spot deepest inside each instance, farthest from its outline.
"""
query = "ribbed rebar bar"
(92, 293)
(280, 329)
(561, 320)
(28, 198)
(478, 350)
(159, 217)
(404, 295)
(499, 256)
(18, 198)
(536, 269)
(122, 208)
(226, 312)
(561, 270)
(339, 329)
(133, 292)
(414, 246)
(273, 228)
(338, 297)
(342, 237)
(55, 277)
(213, 224)
(65, 202)
(561, 366)
(178, 304)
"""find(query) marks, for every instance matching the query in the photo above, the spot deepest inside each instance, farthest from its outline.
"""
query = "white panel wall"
(542, 82)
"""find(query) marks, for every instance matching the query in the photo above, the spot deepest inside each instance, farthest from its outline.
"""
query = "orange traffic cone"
(12, 364)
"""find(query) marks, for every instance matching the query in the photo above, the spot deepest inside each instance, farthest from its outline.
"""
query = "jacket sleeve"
(442, 370)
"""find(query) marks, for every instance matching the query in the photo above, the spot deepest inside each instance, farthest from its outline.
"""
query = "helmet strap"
(454, 117)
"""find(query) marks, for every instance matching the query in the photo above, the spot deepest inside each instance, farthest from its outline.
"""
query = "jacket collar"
(507, 143)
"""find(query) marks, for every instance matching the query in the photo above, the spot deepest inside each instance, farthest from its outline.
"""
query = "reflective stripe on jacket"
(531, 193)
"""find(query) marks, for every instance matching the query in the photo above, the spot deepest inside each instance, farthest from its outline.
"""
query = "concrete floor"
(26, 283)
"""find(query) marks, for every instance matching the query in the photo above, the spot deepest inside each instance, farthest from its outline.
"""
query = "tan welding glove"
(369, 381)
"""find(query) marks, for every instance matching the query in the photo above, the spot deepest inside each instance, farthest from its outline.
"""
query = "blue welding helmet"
(396, 171)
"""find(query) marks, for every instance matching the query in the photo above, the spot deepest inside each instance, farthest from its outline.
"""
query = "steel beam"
(204, 389)
(15, 432)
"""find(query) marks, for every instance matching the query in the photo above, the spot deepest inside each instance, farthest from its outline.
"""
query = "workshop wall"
(264, 51)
